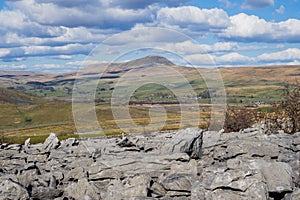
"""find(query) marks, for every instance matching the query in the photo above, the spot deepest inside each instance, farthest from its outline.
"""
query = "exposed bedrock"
(185, 164)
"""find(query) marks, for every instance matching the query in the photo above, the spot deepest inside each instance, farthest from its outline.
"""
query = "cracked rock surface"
(184, 164)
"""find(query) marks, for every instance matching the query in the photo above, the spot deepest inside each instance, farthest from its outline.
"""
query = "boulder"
(187, 141)
(81, 190)
(10, 189)
(52, 142)
(278, 175)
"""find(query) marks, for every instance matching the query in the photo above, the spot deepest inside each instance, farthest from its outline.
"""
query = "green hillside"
(8, 96)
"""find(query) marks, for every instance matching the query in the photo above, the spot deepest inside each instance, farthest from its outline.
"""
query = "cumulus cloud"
(290, 55)
(29, 51)
(193, 18)
(136, 4)
(227, 3)
(251, 4)
(128, 4)
(4, 52)
(87, 15)
(201, 60)
(189, 47)
(233, 58)
(252, 28)
(280, 10)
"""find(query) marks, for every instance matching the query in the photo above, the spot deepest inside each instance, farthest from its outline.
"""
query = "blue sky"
(57, 35)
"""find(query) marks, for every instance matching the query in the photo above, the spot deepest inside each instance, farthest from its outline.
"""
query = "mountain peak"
(149, 60)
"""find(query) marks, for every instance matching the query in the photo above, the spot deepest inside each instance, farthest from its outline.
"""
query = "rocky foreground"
(186, 164)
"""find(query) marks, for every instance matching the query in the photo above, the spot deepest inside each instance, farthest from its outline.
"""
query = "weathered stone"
(185, 141)
(178, 182)
(27, 143)
(235, 180)
(69, 142)
(157, 190)
(211, 138)
(165, 165)
(296, 194)
(51, 142)
(12, 190)
(81, 190)
(278, 175)
(76, 174)
(125, 142)
(46, 193)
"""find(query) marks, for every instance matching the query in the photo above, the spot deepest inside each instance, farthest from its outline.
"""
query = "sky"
(57, 35)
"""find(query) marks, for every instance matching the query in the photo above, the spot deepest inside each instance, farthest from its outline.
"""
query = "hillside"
(8, 96)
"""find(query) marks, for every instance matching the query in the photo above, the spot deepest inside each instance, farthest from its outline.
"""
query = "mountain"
(148, 61)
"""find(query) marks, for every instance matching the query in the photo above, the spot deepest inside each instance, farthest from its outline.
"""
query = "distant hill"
(8, 96)
(147, 61)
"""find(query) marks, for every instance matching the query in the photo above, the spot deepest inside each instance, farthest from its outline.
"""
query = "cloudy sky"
(56, 35)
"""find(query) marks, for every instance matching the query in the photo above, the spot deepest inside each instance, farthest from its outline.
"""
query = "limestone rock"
(184, 164)
(12, 190)
(51, 142)
(278, 175)
(185, 141)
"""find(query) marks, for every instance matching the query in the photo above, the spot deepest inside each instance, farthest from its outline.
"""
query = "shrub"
(238, 118)
(286, 115)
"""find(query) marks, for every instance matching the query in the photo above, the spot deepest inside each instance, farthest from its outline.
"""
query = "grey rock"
(125, 142)
(278, 175)
(13, 190)
(178, 182)
(45, 193)
(185, 164)
(296, 194)
(76, 174)
(157, 190)
(27, 143)
(81, 190)
(185, 141)
(52, 142)
(69, 142)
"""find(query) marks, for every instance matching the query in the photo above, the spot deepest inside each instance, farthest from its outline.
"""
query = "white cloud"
(290, 54)
(81, 14)
(62, 57)
(68, 49)
(193, 18)
(13, 67)
(280, 10)
(251, 4)
(189, 47)
(11, 19)
(233, 58)
(252, 28)
(4, 52)
(128, 4)
(200, 60)
(227, 3)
